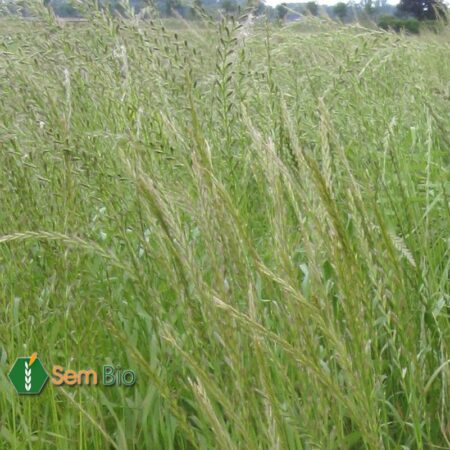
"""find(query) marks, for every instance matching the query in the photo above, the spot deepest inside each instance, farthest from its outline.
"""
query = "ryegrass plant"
(254, 218)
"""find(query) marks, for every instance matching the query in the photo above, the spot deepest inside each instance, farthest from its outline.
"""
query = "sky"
(276, 2)
(320, 2)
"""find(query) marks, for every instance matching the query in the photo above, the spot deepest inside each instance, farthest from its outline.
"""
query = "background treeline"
(388, 16)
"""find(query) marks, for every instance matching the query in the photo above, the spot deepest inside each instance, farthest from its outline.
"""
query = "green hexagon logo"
(28, 375)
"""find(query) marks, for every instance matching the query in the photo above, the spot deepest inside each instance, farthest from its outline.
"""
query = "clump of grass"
(255, 219)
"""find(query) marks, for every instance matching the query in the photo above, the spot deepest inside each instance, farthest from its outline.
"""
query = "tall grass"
(256, 219)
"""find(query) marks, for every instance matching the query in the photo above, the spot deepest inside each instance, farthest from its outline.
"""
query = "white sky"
(320, 2)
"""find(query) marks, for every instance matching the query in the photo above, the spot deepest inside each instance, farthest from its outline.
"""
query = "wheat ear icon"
(27, 377)
(28, 371)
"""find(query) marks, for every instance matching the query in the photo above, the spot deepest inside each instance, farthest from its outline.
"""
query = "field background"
(253, 218)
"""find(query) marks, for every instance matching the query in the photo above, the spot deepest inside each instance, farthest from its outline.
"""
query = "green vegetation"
(254, 219)
(398, 24)
(423, 9)
(341, 10)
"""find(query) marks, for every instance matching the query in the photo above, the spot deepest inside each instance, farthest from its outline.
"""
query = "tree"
(313, 8)
(229, 6)
(281, 11)
(259, 8)
(64, 9)
(196, 8)
(369, 8)
(341, 10)
(423, 9)
(171, 6)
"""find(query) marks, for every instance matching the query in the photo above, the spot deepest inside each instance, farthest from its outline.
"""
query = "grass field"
(255, 219)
